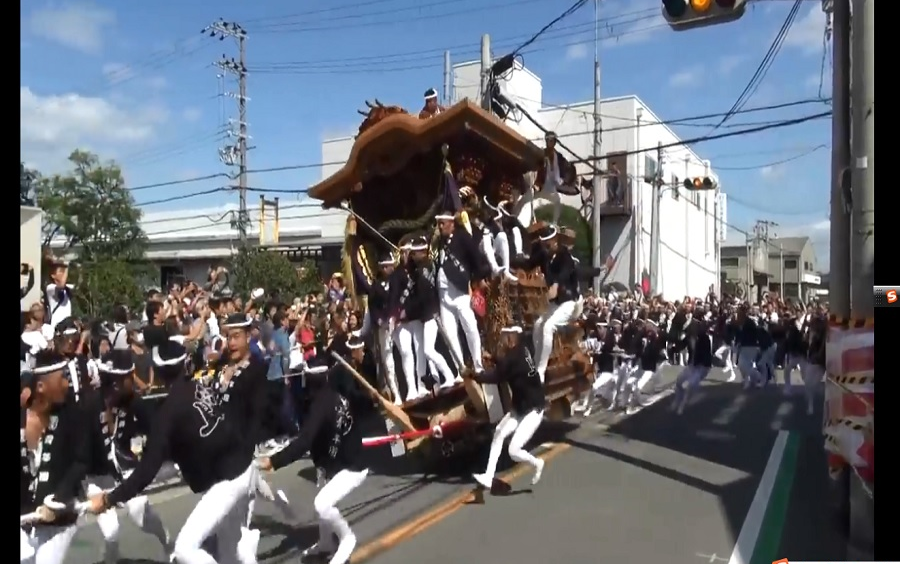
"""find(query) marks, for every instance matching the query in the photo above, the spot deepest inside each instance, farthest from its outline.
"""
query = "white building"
(688, 261)
(185, 243)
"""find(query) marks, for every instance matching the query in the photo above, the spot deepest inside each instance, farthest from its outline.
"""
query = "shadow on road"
(731, 428)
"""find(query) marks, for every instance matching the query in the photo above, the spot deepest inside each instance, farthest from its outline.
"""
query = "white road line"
(746, 541)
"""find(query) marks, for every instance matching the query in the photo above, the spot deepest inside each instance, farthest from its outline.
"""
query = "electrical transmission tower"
(235, 153)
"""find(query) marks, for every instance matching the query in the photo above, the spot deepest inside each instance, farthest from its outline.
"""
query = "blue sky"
(134, 82)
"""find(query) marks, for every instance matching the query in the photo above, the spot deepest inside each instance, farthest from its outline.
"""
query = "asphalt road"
(647, 487)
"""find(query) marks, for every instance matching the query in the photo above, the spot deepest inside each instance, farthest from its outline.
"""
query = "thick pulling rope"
(436, 432)
(50, 503)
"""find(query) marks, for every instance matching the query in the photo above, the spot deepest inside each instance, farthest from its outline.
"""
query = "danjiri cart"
(399, 173)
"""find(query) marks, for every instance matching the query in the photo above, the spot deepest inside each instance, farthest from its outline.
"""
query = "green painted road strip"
(760, 534)
(769, 541)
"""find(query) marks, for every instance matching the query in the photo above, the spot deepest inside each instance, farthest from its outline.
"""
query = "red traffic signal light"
(704, 183)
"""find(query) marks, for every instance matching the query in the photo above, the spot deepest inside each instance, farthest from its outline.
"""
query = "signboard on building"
(722, 215)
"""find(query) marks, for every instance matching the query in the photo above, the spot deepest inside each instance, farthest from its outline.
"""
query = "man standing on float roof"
(432, 108)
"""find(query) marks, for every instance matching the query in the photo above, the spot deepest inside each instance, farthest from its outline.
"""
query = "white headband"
(386, 262)
(511, 329)
(552, 234)
(69, 331)
(356, 346)
(444, 217)
(418, 248)
(487, 203)
(405, 247)
(159, 361)
(240, 324)
(107, 368)
(430, 96)
(51, 368)
(316, 370)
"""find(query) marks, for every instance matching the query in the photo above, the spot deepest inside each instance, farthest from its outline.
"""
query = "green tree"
(91, 214)
(571, 218)
(90, 211)
(275, 273)
(103, 285)
(27, 178)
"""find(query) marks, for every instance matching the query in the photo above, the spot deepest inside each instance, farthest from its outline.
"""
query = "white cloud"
(686, 77)
(730, 62)
(807, 32)
(771, 172)
(192, 114)
(576, 52)
(157, 82)
(79, 27)
(55, 125)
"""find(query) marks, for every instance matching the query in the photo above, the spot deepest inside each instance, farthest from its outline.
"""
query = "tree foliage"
(27, 179)
(90, 211)
(275, 273)
(100, 286)
(571, 218)
(91, 214)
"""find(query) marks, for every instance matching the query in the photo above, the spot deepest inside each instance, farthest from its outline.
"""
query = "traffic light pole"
(656, 193)
(839, 259)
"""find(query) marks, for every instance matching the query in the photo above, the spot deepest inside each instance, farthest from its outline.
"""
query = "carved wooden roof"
(384, 148)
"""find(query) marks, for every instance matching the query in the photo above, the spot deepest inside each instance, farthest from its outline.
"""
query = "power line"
(775, 163)
(302, 166)
(763, 68)
(759, 129)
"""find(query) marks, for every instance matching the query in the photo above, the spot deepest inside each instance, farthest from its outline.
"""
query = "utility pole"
(657, 184)
(862, 238)
(236, 154)
(598, 135)
(486, 64)
(761, 229)
(448, 80)
(839, 259)
(263, 204)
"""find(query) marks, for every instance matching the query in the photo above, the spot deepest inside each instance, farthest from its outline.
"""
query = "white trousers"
(522, 428)
(687, 381)
(556, 316)
(812, 381)
(792, 362)
(637, 383)
(45, 544)
(456, 312)
(138, 510)
(416, 340)
(331, 523)
(386, 350)
(525, 207)
(723, 353)
(222, 511)
(766, 364)
(747, 365)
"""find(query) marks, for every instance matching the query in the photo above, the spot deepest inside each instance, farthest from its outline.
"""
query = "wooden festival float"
(394, 182)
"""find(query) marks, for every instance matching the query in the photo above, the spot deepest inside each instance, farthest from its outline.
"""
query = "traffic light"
(682, 15)
(700, 183)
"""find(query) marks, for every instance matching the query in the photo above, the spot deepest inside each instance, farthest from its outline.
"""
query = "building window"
(790, 263)
(730, 262)
(807, 266)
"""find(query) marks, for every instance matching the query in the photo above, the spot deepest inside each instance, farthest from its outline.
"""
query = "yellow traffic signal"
(700, 183)
(687, 14)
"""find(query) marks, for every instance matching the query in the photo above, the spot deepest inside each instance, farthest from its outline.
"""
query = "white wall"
(688, 261)
(30, 250)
